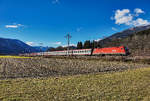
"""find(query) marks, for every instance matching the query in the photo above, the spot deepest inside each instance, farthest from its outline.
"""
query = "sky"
(48, 21)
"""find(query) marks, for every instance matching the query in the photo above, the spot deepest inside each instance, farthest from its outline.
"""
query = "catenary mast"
(68, 37)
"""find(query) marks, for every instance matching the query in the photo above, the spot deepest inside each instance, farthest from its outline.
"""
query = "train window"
(121, 48)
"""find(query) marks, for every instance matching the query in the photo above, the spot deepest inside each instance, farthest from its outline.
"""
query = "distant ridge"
(41, 48)
(127, 32)
(14, 47)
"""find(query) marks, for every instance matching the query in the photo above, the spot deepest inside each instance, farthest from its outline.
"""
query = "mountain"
(41, 48)
(137, 41)
(60, 48)
(14, 47)
(128, 32)
(123, 34)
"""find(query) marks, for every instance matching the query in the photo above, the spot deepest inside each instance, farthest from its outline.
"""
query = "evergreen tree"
(79, 45)
(87, 44)
(59, 48)
(95, 44)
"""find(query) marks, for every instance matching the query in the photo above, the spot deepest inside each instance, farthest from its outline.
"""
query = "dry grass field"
(45, 67)
(61, 79)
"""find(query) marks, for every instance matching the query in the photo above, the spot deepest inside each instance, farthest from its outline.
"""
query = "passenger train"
(122, 50)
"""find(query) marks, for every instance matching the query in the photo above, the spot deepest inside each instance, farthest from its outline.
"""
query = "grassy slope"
(131, 85)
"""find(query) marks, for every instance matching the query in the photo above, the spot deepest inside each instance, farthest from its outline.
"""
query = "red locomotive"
(122, 50)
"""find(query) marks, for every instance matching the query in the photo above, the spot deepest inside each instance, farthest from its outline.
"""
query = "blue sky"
(48, 21)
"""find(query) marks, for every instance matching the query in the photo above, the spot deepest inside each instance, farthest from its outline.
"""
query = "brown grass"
(42, 67)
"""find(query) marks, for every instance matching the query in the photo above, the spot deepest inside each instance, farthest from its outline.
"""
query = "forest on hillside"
(137, 43)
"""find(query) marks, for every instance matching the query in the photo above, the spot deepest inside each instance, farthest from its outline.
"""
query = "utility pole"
(68, 37)
(41, 44)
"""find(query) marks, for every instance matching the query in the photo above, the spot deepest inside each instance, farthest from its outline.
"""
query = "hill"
(128, 32)
(137, 42)
(14, 47)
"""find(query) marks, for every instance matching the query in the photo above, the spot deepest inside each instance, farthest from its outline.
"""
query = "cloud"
(30, 43)
(55, 2)
(11, 26)
(57, 43)
(125, 17)
(138, 11)
(14, 26)
(79, 29)
(114, 29)
(98, 40)
(140, 21)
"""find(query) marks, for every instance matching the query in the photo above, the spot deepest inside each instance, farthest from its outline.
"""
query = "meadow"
(130, 85)
(61, 79)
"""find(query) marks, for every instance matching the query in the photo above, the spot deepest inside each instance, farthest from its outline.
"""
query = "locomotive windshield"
(126, 48)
